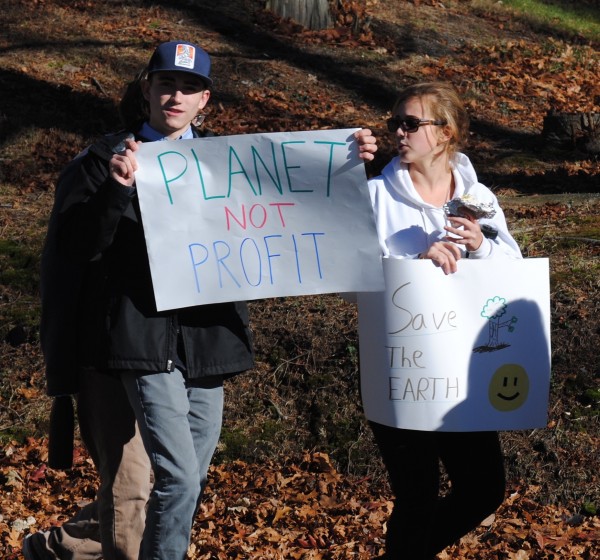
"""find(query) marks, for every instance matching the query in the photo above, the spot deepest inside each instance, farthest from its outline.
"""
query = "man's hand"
(122, 166)
(367, 144)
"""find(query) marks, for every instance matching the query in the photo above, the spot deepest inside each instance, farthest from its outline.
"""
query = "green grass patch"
(585, 226)
(573, 19)
(16, 434)
(19, 281)
(20, 266)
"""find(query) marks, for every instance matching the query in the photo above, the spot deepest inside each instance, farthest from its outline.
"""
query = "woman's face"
(427, 141)
(174, 99)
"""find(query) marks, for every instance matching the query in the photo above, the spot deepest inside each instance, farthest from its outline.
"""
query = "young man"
(136, 367)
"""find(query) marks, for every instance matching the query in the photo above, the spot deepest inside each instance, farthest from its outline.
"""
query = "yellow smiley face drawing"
(509, 387)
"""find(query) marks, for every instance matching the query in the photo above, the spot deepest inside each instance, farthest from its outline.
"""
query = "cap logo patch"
(185, 56)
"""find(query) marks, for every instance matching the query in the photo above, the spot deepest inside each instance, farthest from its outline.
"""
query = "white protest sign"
(465, 352)
(257, 216)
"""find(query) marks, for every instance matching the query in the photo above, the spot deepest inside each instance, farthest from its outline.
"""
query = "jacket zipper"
(174, 324)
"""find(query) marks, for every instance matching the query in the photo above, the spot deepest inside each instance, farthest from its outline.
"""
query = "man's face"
(174, 98)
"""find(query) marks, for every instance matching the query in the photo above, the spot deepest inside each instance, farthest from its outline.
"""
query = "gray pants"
(112, 526)
(180, 422)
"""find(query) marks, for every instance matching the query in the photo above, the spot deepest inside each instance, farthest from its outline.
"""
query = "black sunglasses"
(410, 124)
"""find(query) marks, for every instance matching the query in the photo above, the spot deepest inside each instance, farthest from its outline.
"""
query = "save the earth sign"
(465, 352)
(257, 216)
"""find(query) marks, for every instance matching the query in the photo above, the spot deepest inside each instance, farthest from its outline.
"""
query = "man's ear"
(204, 99)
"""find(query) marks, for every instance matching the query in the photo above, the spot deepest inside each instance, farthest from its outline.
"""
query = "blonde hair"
(444, 103)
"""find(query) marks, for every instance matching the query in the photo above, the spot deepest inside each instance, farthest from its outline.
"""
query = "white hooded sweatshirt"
(407, 225)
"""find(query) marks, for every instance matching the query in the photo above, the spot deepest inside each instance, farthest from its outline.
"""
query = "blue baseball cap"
(180, 56)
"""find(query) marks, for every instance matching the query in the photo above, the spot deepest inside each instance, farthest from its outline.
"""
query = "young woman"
(430, 124)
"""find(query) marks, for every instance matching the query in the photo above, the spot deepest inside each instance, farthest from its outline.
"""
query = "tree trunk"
(573, 130)
(493, 330)
(312, 14)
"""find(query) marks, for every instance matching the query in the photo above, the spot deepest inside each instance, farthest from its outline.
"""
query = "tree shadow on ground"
(44, 105)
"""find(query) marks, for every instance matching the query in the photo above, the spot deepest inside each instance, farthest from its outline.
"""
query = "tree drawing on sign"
(493, 310)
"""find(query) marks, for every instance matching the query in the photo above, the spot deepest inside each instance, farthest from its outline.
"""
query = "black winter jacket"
(98, 307)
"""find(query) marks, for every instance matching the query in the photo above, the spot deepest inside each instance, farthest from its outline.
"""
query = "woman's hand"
(367, 144)
(444, 254)
(465, 232)
(122, 166)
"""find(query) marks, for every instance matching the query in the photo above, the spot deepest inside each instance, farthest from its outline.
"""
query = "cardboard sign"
(257, 216)
(465, 352)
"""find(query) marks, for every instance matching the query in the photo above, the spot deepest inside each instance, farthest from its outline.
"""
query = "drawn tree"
(493, 310)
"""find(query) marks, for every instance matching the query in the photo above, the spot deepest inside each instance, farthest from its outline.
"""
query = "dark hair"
(444, 102)
(133, 107)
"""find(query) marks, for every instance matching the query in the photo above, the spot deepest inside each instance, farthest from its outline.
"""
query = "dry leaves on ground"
(302, 510)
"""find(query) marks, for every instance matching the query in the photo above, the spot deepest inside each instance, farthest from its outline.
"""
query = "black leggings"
(423, 523)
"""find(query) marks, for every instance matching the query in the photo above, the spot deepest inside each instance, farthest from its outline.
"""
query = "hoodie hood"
(407, 225)
(429, 221)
